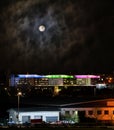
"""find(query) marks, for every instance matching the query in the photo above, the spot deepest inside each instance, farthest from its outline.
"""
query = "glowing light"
(42, 28)
(87, 76)
(59, 76)
(19, 93)
(43, 76)
(100, 86)
(30, 76)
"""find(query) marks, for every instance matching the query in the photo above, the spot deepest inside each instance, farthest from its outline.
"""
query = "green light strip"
(59, 76)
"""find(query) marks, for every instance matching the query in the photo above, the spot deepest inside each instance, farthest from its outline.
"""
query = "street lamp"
(18, 95)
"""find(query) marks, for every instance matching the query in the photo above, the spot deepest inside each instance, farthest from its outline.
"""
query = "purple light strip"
(87, 76)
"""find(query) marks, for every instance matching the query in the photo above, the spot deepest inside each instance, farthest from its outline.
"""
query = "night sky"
(78, 36)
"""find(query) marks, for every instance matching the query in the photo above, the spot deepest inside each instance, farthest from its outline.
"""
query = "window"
(99, 112)
(67, 112)
(106, 112)
(90, 112)
(113, 112)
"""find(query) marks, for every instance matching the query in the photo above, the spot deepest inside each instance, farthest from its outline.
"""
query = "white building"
(25, 115)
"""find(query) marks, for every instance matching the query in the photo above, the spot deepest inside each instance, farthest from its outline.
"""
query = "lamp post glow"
(18, 94)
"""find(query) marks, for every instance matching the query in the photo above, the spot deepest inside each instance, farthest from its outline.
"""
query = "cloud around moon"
(54, 36)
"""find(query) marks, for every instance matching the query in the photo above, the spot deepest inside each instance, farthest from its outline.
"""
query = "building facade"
(100, 110)
(25, 115)
(53, 80)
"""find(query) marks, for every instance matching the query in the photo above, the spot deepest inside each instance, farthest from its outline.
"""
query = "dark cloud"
(78, 36)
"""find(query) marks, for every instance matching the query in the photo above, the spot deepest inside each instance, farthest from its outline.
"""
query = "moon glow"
(42, 28)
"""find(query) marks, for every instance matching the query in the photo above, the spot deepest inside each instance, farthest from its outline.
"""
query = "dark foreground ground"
(58, 128)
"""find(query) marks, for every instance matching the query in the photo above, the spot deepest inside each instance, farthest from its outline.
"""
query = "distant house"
(102, 110)
(25, 115)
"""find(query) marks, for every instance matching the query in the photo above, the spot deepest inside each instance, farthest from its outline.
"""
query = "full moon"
(41, 28)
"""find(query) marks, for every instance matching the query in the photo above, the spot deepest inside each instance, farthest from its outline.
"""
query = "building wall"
(13, 116)
(33, 81)
(100, 113)
(33, 115)
(43, 114)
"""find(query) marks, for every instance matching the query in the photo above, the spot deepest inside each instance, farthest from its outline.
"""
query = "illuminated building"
(28, 114)
(102, 110)
(52, 80)
(86, 80)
